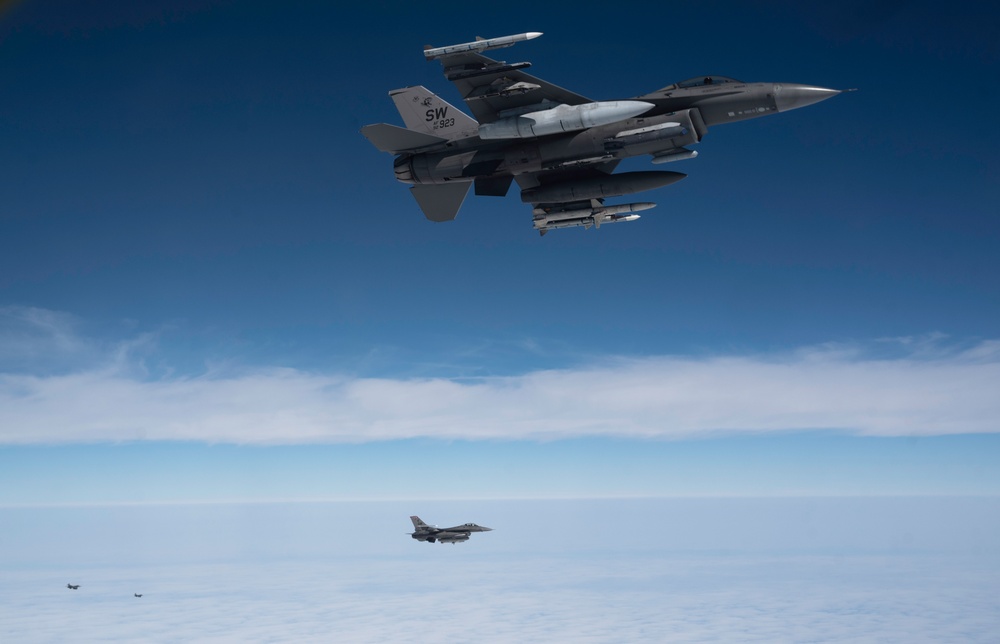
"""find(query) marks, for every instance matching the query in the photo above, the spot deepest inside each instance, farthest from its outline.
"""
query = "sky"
(213, 292)
(202, 257)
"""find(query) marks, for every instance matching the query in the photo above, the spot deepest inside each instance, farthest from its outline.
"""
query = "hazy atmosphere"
(235, 357)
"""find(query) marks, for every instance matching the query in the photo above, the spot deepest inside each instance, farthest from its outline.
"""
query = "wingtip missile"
(430, 53)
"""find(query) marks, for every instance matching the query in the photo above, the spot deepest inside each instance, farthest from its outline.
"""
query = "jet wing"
(490, 86)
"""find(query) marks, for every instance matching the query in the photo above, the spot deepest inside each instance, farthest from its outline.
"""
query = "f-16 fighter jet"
(560, 147)
(72, 586)
(431, 533)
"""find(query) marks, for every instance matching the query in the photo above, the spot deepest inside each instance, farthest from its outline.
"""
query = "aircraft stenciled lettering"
(561, 148)
(438, 116)
(437, 113)
(443, 124)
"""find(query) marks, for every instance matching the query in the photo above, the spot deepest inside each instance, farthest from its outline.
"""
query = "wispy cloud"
(916, 388)
(39, 338)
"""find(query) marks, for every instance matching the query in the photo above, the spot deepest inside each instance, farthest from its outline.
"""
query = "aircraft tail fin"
(423, 111)
(418, 523)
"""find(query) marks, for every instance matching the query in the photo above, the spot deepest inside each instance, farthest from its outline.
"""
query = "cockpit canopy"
(701, 80)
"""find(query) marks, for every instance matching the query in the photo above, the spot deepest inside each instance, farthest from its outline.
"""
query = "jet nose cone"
(793, 96)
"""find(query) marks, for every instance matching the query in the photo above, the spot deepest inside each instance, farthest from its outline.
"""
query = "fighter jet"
(137, 594)
(432, 533)
(72, 587)
(561, 148)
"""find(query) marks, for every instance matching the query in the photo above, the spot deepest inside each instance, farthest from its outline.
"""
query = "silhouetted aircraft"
(432, 533)
(72, 587)
(137, 594)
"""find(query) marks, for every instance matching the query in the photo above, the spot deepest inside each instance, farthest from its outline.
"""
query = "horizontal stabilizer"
(441, 201)
(394, 139)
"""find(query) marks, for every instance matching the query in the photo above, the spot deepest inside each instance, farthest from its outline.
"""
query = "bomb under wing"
(561, 148)
(564, 118)
(547, 218)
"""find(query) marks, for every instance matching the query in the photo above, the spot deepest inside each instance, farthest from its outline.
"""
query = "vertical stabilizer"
(423, 111)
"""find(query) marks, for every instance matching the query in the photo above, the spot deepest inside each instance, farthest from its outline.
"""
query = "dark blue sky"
(185, 189)
(199, 165)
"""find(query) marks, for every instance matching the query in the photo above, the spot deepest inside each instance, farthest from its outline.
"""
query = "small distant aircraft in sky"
(137, 594)
(431, 533)
(72, 587)
(559, 146)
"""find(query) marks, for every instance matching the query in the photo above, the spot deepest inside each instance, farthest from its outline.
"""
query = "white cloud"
(749, 582)
(923, 388)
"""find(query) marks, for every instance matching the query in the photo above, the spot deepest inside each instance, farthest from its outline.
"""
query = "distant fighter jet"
(559, 146)
(137, 594)
(424, 532)
(72, 587)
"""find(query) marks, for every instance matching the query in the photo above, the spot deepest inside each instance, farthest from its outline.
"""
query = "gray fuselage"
(681, 116)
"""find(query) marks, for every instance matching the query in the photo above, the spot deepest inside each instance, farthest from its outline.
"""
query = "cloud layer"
(788, 570)
(921, 389)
